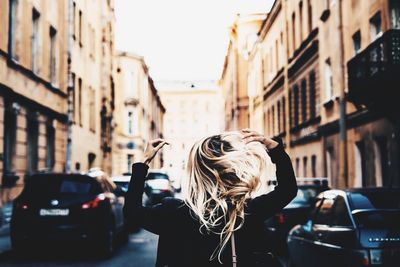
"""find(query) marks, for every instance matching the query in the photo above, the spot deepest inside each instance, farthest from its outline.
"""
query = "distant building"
(193, 111)
(138, 113)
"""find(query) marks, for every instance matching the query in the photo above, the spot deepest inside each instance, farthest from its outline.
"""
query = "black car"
(66, 209)
(349, 228)
(296, 212)
(157, 187)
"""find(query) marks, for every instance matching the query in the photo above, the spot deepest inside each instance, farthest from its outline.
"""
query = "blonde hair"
(223, 172)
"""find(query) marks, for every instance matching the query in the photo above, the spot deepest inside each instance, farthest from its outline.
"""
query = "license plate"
(54, 212)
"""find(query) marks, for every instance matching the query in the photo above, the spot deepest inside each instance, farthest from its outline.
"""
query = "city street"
(139, 252)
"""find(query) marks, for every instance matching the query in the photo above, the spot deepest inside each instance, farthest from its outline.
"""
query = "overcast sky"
(180, 39)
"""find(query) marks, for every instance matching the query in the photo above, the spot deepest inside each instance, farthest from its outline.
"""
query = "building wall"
(136, 94)
(192, 112)
(31, 93)
(303, 37)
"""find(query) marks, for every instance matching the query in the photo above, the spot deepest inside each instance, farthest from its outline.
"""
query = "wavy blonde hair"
(223, 172)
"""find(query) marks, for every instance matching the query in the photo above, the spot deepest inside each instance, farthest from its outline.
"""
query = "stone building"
(34, 93)
(138, 112)
(93, 84)
(193, 111)
(299, 88)
(233, 81)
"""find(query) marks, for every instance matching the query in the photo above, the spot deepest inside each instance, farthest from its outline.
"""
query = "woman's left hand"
(253, 136)
(153, 146)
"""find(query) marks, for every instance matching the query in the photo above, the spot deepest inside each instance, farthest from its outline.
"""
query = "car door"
(340, 237)
(301, 239)
(318, 249)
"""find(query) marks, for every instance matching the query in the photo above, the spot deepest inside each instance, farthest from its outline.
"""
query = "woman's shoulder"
(173, 203)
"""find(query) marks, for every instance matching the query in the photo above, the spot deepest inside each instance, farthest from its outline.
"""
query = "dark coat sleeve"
(266, 205)
(136, 215)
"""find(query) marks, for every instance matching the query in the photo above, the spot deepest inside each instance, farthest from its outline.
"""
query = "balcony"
(374, 75)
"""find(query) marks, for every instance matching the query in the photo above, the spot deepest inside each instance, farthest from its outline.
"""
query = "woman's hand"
(253, 136)
(152, 147)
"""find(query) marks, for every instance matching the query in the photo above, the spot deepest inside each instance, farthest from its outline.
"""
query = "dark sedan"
(355, 227)
(67, 209)
(296, 212)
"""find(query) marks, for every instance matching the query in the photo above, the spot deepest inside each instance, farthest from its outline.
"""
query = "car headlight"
(375, 256)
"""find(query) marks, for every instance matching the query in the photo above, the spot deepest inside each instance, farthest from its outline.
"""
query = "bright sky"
(180, 39)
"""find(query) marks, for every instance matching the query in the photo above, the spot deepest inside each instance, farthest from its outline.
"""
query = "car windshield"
(379, 209)
(155, 175)
(378, 219)
(305, 195)
(123, 185)
(61, 185)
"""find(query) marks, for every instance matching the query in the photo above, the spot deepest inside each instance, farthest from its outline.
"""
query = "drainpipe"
(343, 164)
(70, 91)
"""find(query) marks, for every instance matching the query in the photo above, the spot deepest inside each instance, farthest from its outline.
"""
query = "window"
(129, 160)
(301, 20)
(304, 100)
(395, 14)
(92, 110)
(35, 40)
(314, 166)
(357, 42)
(296, 106)
(278, 108)
(294, 31)
(79, 109)
(341, 215)
(50, 145)
(328, 80)
(33, 135)
(273, 120)
(305, 159)
(73, 96)
(277, 55)
(74, 20)
(376, 26)
(283, 115)
(297, 166)
(80, 28)
(10, 133)
(130, 123)
(53, 63)
(324, 214)
(13, 29)
(312, 95)
(309, 16)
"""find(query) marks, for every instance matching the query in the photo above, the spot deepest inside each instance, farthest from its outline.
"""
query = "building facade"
(33, 93)
(138, 113)
(233, 81)
(93, 89)
(194, 111)
(298, 88)
(36, 60)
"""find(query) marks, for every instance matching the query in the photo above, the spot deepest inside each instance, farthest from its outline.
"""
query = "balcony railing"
(374, 75)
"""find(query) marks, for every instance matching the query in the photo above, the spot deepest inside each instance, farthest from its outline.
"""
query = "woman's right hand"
(152, 147)
(253, 136)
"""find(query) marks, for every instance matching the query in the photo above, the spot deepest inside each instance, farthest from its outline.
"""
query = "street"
(139, 252)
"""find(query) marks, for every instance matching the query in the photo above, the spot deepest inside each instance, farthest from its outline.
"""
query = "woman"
(224, 171)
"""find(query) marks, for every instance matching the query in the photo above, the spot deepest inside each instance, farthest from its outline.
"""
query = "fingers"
(260, 139)
(159, 146)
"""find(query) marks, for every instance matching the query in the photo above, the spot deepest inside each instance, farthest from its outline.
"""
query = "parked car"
(296, 212)
(122, 181)
(157, 187)
(355, 227)
(67, 208)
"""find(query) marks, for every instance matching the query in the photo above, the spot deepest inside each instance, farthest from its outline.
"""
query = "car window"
(341, 215)
(154, 175)
(73, 187)
(324, 213)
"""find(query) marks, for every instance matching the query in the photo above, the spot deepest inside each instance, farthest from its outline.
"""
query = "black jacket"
(180, 242)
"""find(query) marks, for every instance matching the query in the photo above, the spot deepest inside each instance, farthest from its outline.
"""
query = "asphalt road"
(140, 251)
